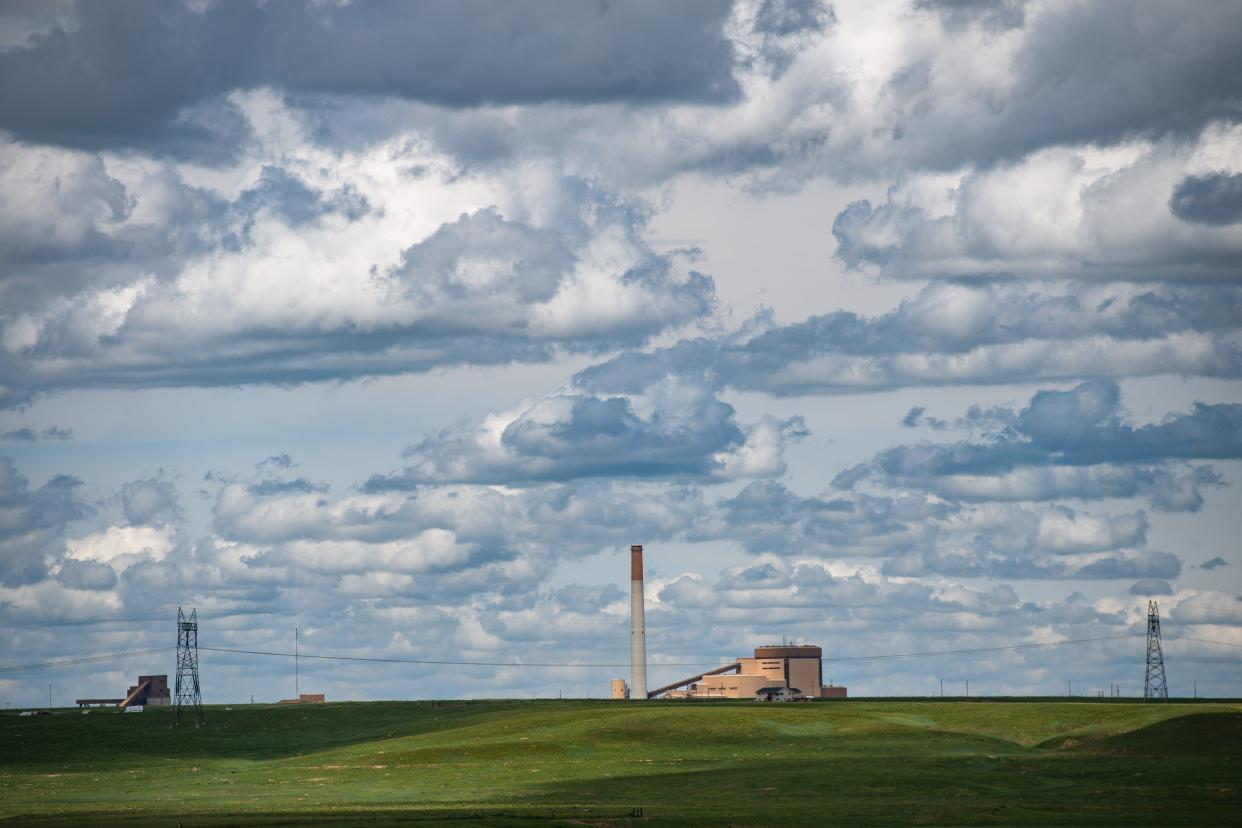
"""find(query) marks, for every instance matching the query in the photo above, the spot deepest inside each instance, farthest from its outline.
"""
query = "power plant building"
(775, 672)
(150, 690)
(797, 668)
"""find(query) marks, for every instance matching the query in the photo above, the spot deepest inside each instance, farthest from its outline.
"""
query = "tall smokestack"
(638, 627)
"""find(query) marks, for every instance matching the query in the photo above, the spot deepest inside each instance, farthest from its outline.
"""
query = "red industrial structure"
(149, 690)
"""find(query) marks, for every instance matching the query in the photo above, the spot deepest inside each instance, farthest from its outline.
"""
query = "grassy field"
(592, 762)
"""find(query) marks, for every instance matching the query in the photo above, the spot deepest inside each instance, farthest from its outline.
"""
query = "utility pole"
(968, 688)
(297, 693)
(1069, 687)
(49, 697)
(942, 688)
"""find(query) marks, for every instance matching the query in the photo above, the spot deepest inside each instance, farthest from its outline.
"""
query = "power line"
(1206, 641)
(68, 662)
(976, 650)
(449, 662)
(456, 663)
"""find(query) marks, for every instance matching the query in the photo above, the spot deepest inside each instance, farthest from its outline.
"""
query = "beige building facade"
(795, 666)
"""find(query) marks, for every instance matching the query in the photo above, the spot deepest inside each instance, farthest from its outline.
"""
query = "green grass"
(719, 763)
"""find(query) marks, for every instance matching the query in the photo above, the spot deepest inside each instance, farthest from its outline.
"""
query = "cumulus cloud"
(1057, 213)
(679, 432)
(1071, 444)
(877, 90)
(953, 334)
(33, 522)
(915, 534)
(298, 214)
(264, 290)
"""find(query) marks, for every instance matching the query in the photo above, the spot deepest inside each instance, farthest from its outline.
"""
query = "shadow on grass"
(1217, 735)
(68, 740)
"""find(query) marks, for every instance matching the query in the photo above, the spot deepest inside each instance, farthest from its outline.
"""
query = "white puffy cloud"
(1066, 212)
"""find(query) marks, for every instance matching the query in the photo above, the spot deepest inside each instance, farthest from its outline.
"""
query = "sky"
(892, 326)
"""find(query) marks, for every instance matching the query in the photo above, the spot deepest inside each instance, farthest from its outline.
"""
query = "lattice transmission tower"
(1155, 687)
(188, 690)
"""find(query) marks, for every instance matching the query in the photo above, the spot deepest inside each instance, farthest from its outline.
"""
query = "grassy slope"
(710, 764)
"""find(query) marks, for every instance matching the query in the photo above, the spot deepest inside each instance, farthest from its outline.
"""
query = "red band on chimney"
(636, 563)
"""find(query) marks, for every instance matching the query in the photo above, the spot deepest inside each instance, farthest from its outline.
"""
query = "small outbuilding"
(778, 693)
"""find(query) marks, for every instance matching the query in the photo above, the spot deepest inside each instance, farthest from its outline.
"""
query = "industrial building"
(794, 669)
(776, 672)
(150, 690)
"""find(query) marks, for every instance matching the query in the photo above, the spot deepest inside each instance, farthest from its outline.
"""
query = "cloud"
(1208, 199)
(86, 575)
(132, 76)
(995, 14)
(1071, 444)
(30, 434)
(33, 522)
(684, 432)
(915, 534)
(264, 291)
(1059, 213)
(1151, 586)
(576, 519)
(953, 334)
(150, 502)
(879, 90)
(787, 17)
(979, 561)
(1214, 563)
(276, 461)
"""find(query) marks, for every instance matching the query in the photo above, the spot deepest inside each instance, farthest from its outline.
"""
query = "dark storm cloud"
(1214, 563)
(997, 334)
(134, 72)
(1208, 199)
(32, 522)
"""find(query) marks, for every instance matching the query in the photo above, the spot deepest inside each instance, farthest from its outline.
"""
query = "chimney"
(638, 627)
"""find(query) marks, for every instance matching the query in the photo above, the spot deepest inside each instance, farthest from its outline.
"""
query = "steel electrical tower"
(188, 691)
(1155, 688)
